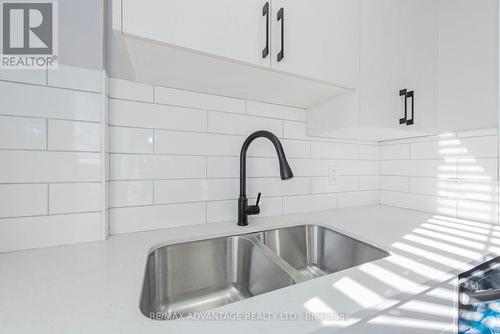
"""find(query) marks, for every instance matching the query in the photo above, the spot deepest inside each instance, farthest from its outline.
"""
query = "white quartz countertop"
(95, 287)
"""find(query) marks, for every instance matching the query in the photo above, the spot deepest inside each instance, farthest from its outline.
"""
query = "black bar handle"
(281, 17)
(403, 92)
(258, 199)
(265, 12)
(411, 94)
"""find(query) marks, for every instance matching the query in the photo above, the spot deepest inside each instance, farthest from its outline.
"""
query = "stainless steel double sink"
(197, 276)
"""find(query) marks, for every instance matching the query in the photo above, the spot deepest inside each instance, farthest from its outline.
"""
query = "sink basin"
(317, 251)
(197, 276)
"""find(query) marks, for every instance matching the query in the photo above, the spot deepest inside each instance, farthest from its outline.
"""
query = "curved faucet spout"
(285, 171)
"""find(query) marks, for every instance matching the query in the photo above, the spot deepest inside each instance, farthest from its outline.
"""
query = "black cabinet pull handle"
(411, 94)
(265, 12)
(281, 17)
(403, 92)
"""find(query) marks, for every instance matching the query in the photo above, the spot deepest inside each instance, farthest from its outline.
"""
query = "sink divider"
(294, 273)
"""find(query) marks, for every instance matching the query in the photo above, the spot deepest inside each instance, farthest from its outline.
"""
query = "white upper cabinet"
(217, 47)
(225, 28)
(398, 52)
(316, 39)
(468, 65)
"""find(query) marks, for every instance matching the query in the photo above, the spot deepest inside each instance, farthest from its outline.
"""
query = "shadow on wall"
(474, 192)
(454, 176)
(427, 254)
(415, 290)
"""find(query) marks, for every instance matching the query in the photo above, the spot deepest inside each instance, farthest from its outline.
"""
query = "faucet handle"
(258, 200)
(253, 209)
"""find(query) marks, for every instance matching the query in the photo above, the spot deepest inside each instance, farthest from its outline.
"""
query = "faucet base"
(242, 208)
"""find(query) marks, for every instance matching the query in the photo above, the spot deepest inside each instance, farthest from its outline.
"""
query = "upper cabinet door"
(317, 39)
(399, 50)
(420, 40)
(226, 28)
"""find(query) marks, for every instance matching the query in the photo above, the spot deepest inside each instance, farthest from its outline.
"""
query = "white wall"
(175, 160)
(81, 33)
(454, 174)
(50, 153)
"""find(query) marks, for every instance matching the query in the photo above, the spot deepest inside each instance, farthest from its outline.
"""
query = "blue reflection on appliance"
(479, 299)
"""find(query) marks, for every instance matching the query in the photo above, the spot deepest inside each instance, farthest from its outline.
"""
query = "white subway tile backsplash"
(371, 182)
(478, 211)
(308, 203)
(432, 149)
(271, 187)
(480, 190)
(180, 167)
(50, 148)
(358, 198)
(294, 148)
(431, 186)
(148, 167)
(395, 183)
(327, 150)
(369, 152)
(44, 231)
(395, 152)
(296, 130)
(478, 133)
(74, 136)
(175, 161)
(477, 190)
(39, 166)
(22, 133)
(261, 147)
(179, 191)
(449, 174)
(172, 142)
(37, 101)
(312, 167)
(434, 204)
(241, 124)
(131, 193)
(154, 116)
(75, 78)
(429, 168)
(344, 183)
(222, 211)
(358, 167)
(142, 218)
(480, 147)
(218, 167)
(131, 140)
(475, 147)
(130, 90)
(185, 98)
(482, 169)
(276, 111)
(74, 197)
(18, 200)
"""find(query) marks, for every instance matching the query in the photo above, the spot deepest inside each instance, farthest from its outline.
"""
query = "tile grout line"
(46, 134)
(236, 199)
(48, 198)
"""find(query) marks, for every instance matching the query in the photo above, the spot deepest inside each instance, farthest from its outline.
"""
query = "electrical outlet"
(332, 175)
